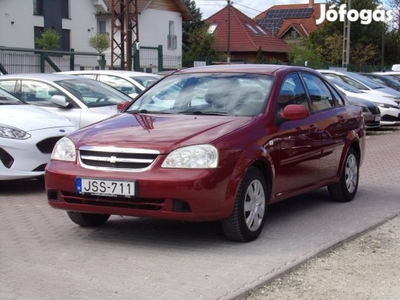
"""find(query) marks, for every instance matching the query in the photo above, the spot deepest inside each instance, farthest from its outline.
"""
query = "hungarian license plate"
(105, 187)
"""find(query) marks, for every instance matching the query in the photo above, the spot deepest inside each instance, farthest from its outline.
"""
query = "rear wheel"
(346, 189)
(248, 217)
(87, 220)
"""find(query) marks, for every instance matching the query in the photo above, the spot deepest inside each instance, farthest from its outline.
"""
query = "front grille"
(119, 202)
(6, 158)
(118, 159)
(46, 146)
(374, 110)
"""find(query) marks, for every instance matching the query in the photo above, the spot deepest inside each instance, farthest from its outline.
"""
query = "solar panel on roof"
(273, 18)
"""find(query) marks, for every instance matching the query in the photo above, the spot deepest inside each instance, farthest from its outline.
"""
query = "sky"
(250, 8)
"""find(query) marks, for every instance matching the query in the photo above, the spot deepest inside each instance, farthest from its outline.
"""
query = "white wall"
(21, 33)
(83, 24)
(154, 29)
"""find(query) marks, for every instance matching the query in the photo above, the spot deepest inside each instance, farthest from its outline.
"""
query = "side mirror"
(60, 100)
(122, 105)
(295, 112)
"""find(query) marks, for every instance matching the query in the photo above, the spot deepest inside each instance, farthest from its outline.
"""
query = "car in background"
(392, 74)
(389, 109)
(226, 141)
(27, 137)
(364, 84)
(81, 100)
(383, 80)
(370, 109)
(131, 83)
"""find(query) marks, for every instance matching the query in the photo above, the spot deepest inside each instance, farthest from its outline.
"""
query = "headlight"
(192, 157)
(387, 105)
(64, 150)
(13, 133)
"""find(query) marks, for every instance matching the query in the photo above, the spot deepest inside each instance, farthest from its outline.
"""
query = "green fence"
(20, 60)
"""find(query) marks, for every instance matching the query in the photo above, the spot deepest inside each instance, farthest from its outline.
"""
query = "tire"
(251, 201)
(87, 220)
(346, 189)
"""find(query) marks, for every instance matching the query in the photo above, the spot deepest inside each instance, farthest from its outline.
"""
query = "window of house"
(251, 28)
(38, 7)
(65, 9)
(262, 30)
(172, 39)
(212, 28)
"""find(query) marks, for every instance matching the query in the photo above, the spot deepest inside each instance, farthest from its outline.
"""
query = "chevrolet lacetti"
(213, 143)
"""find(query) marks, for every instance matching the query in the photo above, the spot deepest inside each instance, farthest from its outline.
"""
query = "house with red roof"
(290, 21)
(242, 37)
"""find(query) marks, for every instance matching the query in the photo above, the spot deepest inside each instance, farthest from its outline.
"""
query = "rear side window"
(320, 95)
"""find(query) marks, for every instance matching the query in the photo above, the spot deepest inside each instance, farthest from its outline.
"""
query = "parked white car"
(131, 83)
(389, 109)
(392, 74)
(27, 137)
(81, 100)
(363, 83)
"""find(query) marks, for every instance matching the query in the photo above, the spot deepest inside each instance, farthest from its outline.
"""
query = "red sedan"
(212, 143)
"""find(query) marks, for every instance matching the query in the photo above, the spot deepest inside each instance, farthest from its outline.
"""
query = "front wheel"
(87, 220)
(248, 217)
(346, 189)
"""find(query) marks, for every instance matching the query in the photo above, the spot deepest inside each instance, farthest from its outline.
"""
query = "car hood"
(105, 110)
(158, 132)
(372, 97)
(30, 118)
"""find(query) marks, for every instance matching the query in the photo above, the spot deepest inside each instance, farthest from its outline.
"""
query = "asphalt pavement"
(43, 255)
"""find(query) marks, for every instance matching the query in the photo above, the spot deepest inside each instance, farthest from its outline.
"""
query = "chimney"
(311, 3)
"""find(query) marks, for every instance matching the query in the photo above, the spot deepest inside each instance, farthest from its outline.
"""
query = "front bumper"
(173, 194)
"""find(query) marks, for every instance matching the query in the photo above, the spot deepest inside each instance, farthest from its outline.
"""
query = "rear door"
(297, 144)
(333, 123)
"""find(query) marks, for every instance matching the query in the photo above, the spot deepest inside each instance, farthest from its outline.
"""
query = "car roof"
(243, 68)
(112, 72)
(42, 76)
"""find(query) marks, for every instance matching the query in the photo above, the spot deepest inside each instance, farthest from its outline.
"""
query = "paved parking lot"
(43, 255)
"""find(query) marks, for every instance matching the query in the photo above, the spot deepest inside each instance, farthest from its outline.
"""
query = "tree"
(300, 52)
(197, 43)
(260, 58)
(100, 42)
(362, 36)
(48, 39)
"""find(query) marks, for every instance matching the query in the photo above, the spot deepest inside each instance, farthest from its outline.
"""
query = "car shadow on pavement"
(20, 187)
(152, 232)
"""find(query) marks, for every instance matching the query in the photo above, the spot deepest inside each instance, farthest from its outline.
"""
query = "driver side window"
(292, 92)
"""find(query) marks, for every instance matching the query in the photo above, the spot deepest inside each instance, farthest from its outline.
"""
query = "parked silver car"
(131, 83)
(81, 100)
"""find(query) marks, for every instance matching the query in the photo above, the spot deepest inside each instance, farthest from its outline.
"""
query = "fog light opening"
(52, 195)
(181, 206)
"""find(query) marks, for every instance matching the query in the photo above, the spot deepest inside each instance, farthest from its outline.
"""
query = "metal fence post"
(160, 58)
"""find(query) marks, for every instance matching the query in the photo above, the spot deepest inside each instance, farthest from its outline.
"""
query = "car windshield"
(8, 99)
(93, 93)
(208, 94)
(368, 82)
(344, 86)
(146, 81)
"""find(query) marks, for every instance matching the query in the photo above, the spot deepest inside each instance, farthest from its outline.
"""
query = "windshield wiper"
(208, 113)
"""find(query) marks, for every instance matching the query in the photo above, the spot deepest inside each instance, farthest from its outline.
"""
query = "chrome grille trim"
(117, 159)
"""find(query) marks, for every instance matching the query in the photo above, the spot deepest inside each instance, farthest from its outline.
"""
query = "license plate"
(377, 118)
(105, 187)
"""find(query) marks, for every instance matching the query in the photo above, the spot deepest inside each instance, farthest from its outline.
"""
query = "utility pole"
(125, 32)
(228, 59)
(346, 38)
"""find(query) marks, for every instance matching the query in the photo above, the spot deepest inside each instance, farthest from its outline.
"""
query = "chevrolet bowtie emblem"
(112, 159)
